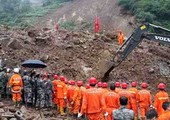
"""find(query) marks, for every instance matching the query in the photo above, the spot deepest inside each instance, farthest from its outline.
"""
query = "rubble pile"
(80, 55)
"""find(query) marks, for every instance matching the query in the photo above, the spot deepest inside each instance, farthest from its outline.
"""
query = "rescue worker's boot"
(15, 104)
(75, 116)
(65, 109)
(62, 111)
(58, 108)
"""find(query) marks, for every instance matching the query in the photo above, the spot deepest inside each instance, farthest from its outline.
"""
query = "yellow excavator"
(160, 34)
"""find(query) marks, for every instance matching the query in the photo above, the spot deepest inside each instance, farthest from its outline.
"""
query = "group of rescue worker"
(95, 100)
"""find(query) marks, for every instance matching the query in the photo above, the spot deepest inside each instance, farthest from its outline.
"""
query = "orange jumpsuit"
(60, 93)
(111, 100)
(16, 83)
(54, 82)
(92, 104)
(77, 99)
(164, 116)
(160, 97)
(126, 93)
(144, 100)
(70, 94)
(134, 93)
(120, 38)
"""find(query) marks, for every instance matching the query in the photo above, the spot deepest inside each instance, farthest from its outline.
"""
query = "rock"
(14, 44)
(1, 105)
(23, 109)
(2, 110)
(151, 71)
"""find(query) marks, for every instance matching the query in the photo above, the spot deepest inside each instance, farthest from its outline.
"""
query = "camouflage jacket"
(123, 114)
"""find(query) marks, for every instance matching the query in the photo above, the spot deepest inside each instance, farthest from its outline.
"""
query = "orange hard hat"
(79, 83)
(87, 86)
(161, 86)
(134, 84)
(99, 84)
(117, 84)
(124, 85)
(92, 80)
(62, 78)
(144, 85)
(104, 85)
(55, 76)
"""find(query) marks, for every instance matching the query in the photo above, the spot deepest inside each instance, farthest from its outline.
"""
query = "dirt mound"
(80, 55)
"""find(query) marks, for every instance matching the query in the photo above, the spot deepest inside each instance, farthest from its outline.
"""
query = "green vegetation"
(21, 13)
(154, 11)
(69, 25)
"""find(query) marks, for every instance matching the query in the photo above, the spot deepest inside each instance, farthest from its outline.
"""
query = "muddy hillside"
(80, 55)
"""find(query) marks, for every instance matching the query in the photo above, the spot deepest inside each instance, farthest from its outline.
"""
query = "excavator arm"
(132, 42)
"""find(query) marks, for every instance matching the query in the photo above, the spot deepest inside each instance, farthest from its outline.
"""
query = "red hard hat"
(62, 78)
(161, 86)
(144, 85)
(87, 86)
(92, 80)
(117, 84)
(134, 84)
(124, 85)
(104, 85)
(72, 82)
(99, 84)
(66, 81)
(79, 83)
(55, 76)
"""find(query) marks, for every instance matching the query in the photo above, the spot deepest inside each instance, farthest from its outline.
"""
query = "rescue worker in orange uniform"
(92, 104)
(118, 87)
(120, 37)
(166, 114)
(133, 90)
(61, 94)
(111, 100)
(104, 87)
(16, 85)
(160, 97)
(70, 93)
(144, 100)
(77, 98)
(124, 92)
(54, 82)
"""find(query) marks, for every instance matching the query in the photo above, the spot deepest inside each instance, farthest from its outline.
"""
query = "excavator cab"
(160, 34)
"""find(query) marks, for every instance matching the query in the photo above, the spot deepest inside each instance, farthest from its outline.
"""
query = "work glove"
(106, 114)
(65, 98)
(72, 103)
(79, 115)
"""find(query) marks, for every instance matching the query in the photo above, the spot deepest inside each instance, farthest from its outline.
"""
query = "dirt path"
(84, 11)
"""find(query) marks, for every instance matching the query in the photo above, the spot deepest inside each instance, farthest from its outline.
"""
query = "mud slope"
(84, 11)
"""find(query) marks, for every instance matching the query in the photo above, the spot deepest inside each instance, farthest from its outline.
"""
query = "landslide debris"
(80, 55)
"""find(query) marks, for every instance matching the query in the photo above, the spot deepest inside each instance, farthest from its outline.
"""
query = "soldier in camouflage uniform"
(40, 89)
(123, 113)
(48, 92)
(3, 83)
(27, 88)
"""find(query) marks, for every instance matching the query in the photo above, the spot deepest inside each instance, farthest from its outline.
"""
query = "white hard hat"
(16, 70)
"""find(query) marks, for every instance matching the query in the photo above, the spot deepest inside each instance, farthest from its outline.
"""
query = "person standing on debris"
(118, 87)
(120, 37)
(123, 113)
(104, 87)
(125, 92)
(54, 82)
(8, 76)
(111, 100)
(166, 114)
(92, 104)
(61, 94)
(133, 90)
(70, 94)
(160, 97)
(144, 100)
(3, 81)
(40, 88)
(48, 91)
(77, 98)
(27, 89)
(16, 85)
